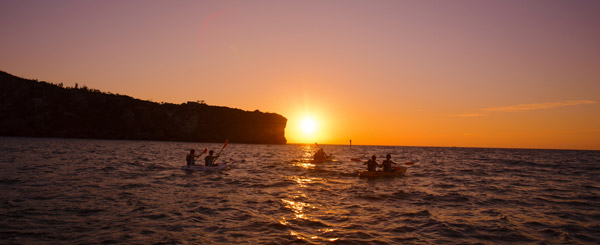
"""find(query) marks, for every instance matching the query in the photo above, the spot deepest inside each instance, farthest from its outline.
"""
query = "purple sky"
(377, 72)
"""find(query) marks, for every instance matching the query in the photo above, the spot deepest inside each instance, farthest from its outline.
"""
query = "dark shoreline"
(30, 108)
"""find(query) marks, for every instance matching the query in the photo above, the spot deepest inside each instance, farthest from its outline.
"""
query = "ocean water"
(102, 191)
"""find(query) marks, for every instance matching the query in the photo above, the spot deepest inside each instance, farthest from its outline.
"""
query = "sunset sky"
(522, 74)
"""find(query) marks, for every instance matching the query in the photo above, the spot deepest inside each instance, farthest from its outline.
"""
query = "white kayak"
(204, 168)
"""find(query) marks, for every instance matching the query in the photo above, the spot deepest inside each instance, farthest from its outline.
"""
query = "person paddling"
(387, 163)
(210, 159)
(320, 155)
(372, 164)
(191, 158)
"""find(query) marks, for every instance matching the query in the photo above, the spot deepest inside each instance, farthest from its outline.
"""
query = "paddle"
(204, 151)
(224, 145)
(218, 154)
(318, 145)
(326, 156)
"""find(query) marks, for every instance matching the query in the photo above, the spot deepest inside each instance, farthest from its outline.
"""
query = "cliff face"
(39, 109)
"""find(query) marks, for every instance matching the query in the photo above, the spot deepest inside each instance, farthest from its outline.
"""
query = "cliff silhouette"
(40, 109)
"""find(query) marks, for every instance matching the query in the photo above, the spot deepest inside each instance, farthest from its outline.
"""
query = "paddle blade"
(226, 142)
(205, 150)
(409, 163)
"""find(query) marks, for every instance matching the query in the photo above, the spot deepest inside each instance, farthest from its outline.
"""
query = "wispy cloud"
(529, 107)
(540, 106)
(473, 115)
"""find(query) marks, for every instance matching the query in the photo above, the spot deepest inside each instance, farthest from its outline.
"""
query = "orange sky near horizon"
(511, 74)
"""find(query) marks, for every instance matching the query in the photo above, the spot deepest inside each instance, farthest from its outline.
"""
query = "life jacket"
(387, 165)
(209, 160)
(371, 165)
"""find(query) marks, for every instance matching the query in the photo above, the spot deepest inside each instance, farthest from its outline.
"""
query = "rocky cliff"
(40, 109)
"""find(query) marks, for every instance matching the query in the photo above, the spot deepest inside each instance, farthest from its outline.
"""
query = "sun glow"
(304, 129)
(308, 125)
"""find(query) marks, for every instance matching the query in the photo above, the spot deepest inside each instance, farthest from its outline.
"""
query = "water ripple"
(100, 191)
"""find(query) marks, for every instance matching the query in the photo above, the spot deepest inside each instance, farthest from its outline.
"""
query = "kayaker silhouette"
(210, 159)
(387, 163)
(320, 155)
(372, 164)
(191, 158)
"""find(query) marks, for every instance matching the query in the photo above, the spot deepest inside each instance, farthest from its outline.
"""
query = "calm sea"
(103, 191)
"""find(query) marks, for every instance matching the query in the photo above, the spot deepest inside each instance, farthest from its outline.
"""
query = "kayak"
(397, 172)
(204, 168)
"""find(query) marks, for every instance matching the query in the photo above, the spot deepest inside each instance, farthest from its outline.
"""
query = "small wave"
(108, 168)
(203, 210)
(277, 184)
(312, 223)
(452, 197)
(9, 181)
(155, 167)
(132, 186)
(552, 233)
(401, 194)
(358, 236)
(155, 216)
(31, 237)
(571, 203)
(422, 213)
(373, 197)
(445, 186)
(501, 234)
(402, 229)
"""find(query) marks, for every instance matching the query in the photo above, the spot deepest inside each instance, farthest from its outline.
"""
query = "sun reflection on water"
(305, 181)
(308, 151)
(296, 207)
(312, 238)
(305, 165)
(305, 212)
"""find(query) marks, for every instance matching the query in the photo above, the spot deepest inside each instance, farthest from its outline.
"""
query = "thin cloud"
(540, 106)
(473, 115)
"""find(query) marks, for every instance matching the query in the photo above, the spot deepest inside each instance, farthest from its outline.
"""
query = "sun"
(308, 125)
(306, 128)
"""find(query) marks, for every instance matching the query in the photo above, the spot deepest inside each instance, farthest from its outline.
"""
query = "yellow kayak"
(397, 172)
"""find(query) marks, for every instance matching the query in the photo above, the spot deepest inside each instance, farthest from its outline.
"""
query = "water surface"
(91, 191)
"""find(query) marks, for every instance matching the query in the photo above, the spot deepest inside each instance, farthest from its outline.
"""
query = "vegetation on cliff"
(40, 109)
